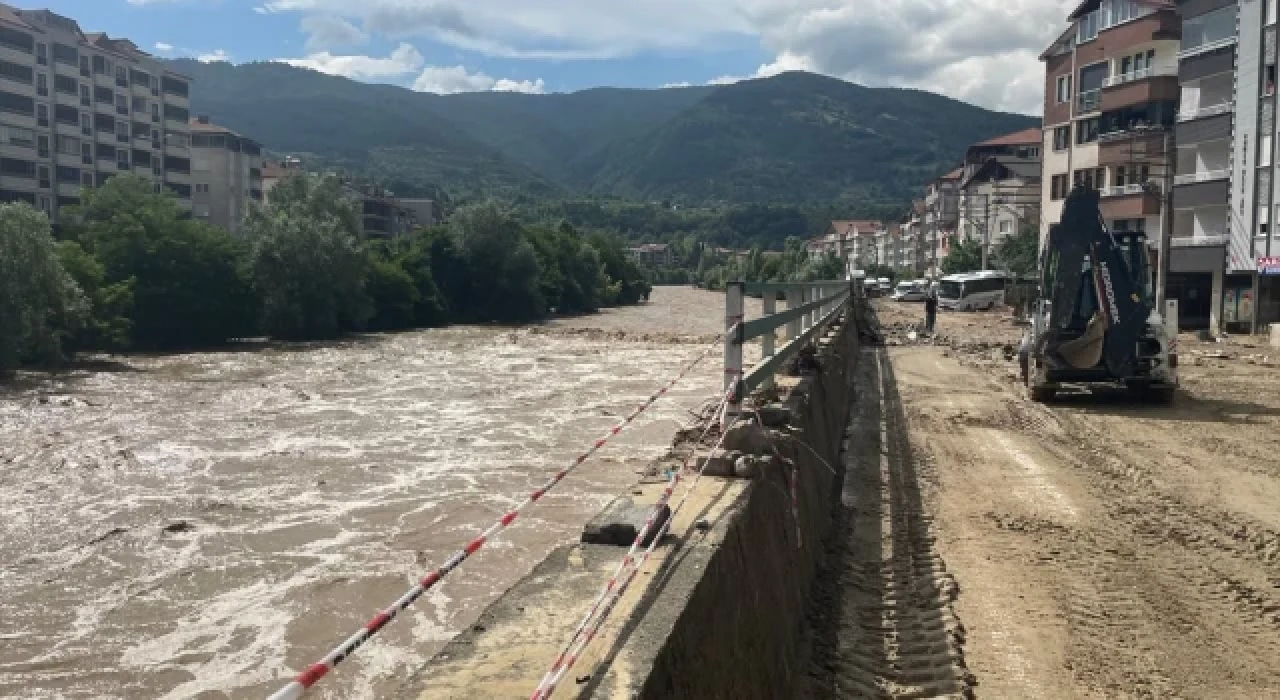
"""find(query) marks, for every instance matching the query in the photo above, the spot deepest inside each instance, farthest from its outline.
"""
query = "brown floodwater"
(201, 525)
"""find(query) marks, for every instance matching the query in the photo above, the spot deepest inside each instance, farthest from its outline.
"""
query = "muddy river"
(199, 525)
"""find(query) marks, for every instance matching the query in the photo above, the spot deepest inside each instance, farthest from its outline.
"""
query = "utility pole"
(986, 229)
(1166, 224)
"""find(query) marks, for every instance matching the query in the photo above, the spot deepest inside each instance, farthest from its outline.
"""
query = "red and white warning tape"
(317, 670)
(615, 588)
(629, 559)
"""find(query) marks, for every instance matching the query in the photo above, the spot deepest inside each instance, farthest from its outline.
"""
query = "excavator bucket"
(1085, 352)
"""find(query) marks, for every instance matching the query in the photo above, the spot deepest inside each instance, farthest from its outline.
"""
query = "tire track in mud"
(883, 611)
(1159, 584)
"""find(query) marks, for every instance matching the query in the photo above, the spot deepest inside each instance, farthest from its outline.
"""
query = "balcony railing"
(1088, 101)
(1130, 189)
(1185, 241)
(1142, 74)
(1187, 115)
(1202, 176)
(1207, 47)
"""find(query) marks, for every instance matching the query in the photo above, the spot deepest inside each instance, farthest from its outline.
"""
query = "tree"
(393, 293)
(40, 305)
(965, 256)
(306, 261)
(1020, 253)
(109, 323)
(501, 266)
(189, 285)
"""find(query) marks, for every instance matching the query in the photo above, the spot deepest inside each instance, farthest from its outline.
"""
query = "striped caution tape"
(319, 669)
(614, 591)
(629, 559)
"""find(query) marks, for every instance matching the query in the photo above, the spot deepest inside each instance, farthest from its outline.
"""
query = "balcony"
(1131, 147)
(1150, 88)
(1129, 202)
(1187, 115)
(1206, 47)
(1202, 176)
(1088, 101)
(1143, 74)
(1129, 190)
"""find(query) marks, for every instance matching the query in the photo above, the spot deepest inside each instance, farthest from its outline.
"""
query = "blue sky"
(563, 45)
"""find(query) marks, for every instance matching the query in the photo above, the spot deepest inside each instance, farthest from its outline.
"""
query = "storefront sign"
(1269, 266)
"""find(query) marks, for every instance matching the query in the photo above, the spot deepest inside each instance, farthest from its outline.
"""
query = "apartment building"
(1253, 280)
(1000, 190)
(1200, 237)
(941, 219)
(226, 174)
(77, 108)
(1111, 95)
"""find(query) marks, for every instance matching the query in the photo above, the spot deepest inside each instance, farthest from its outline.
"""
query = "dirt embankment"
(1090, 548)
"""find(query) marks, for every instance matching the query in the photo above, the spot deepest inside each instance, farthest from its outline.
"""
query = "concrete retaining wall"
(730, 623)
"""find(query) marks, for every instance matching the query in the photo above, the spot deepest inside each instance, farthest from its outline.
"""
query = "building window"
(1087, 131)
(1087, 28)
(66, 114)
(86, 153)
(1264, 151)
(84, 67)
(42, 146)
(86, 125)
(16, 72)
(1058, 187)
(86, 96)
(42, 54)
(177, 114)
(42, 173)
(68, 145)
(42, 115)
(104, 94)
(68, 175)
(42, 85)
(140, 105)
(23, 138)
(1064, 89)
(1269, 81)
(87, 179)
(1209, 29)
(1095, 178)
(66, 54)
(1062, 138)
(66, 84)
(173, 86)
(177, 139)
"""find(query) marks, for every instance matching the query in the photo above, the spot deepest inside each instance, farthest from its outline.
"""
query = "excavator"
(1095, 322)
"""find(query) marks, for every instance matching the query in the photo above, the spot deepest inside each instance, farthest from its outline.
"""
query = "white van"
(910, 290)
(972, 291)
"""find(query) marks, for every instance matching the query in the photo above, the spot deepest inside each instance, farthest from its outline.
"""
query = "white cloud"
(449, 80)
(213, 56)
(163, 47)
(983, 51)
(328, 31)
(404, 60)
(681, 84)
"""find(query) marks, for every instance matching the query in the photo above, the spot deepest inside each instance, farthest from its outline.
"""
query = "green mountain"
(795, 137)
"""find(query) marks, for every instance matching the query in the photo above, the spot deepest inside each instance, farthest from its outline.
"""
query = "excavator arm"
(1097, 308)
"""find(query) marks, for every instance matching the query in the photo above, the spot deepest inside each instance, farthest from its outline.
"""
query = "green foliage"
(306, 261)
(394, 294)
(572, 272)
(877, 271)
(188, 283)
(502, 267)
(40, 303)
(965, 256)
(1020, 253)
(795, 137)
(792, 265)
(109, 323)
(624, 281)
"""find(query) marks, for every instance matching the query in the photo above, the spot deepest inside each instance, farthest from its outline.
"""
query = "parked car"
(910, 290)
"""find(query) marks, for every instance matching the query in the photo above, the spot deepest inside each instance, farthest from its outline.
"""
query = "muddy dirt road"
(196, 525)
(1092, 548)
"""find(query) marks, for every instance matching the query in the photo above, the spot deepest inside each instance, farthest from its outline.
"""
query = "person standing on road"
(930, 310)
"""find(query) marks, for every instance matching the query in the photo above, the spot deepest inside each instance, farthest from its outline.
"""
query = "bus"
(972, 291)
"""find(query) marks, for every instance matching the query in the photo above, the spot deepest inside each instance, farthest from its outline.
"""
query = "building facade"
(1201, 240)
(1000, 190)
(941, 219)
(1253, 288)
(226, 174)
(78, 108)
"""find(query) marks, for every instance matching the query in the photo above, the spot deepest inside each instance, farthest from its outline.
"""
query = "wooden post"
(795, 298)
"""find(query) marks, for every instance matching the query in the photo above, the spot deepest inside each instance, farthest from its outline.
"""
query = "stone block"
(620, 523)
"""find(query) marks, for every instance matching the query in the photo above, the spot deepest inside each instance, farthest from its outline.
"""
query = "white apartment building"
(77, 108)
(226, 171)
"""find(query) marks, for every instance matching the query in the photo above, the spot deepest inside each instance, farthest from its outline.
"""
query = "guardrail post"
(770, 307)
(795, 298)
(734, 315)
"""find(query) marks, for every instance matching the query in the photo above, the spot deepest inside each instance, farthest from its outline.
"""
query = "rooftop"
(1030, 136)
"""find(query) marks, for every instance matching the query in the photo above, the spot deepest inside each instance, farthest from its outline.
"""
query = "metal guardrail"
(1186, 115)
(1202, 176)
(811, 306)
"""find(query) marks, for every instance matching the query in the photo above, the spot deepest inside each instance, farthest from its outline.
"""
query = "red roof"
(954, 174)
(1017, 138)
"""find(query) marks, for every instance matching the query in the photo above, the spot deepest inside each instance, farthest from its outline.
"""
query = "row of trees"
(133, 271)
